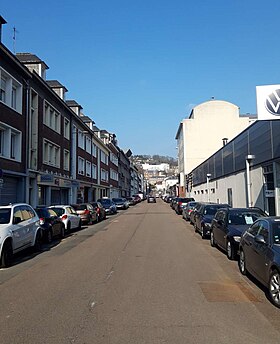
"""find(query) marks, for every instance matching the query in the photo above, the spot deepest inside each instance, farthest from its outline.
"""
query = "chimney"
(225, 141)
(2, 21)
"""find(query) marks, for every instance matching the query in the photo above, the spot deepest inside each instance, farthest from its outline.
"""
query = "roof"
(87, 119)
(2, 20)
(73, 103)
(55, 84)
(30, 58)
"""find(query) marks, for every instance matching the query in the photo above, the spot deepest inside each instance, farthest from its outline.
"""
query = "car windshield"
(117, 200)
(243, 218)
(276, 232)
(5, 215)
(192, 204)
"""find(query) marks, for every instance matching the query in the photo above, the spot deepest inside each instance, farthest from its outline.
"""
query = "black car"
(151, 199)
(180, 203)
(228, 226)
(101, 213)
(51, 224)
(108, 205)
(260, 254)
(204, 216)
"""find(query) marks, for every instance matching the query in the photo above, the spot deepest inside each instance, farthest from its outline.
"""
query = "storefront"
(53, 189)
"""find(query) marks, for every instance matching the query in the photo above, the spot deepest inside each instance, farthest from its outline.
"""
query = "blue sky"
(138, 67)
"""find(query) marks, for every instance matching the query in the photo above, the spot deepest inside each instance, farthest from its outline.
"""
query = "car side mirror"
(260, 239)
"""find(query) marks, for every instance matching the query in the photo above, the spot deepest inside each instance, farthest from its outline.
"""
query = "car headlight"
(237, 238)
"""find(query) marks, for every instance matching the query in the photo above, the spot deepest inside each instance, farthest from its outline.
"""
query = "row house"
(48, 154)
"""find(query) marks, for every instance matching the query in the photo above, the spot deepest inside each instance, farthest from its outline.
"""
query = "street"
(141, 276)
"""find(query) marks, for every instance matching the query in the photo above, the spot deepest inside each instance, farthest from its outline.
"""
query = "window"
(81, 166)
(94, 171)
(81, 139)
(104, 175)
(67, 128)
(10, 91)
(51, 117)
(10, 142)
(88, 144)
(66, 160)
(94, 149)
(114, 175)
(88, 168)
(3, 90)
(51, 154)
(104, 158)
(114, 159)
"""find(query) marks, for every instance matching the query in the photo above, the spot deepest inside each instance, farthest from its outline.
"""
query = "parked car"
(86, 212)
(109, 205)
(19, 229)
(204, 216)
(68, 215)
(121, 203)
(173, 202)
(187, 210)
(131, 200)
(180, 202)
(101, 213)
(228, 226)
(50, 223)
(195, 209)
(260, 254)
(151, 199)
(137, 198)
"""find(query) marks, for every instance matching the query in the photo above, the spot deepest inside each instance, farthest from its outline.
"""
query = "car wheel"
(274, 288)
(242, 263)
(212, 239)
(62, 231)
(49, 237)
(195, 228)
(7, 255)
(38, 241)
(230, 251)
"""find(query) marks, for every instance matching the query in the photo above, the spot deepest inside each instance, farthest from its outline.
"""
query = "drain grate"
(227, 292)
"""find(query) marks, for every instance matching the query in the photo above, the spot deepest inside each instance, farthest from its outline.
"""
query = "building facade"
(209, 126)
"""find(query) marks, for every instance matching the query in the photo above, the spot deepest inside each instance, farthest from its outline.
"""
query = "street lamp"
(208, 176)
(249, 159)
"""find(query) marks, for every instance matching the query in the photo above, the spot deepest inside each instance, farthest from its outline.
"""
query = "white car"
(19, 229)
(68, 215)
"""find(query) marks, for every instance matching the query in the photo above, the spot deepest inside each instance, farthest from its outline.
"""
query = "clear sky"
(138, 67)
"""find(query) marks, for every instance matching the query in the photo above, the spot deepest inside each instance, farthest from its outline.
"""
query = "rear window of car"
(58, 211)
(79, 206)
(105, 201)
(117, 199)
(5, 215)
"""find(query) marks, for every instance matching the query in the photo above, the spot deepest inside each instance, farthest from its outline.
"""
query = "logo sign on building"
(268, 102)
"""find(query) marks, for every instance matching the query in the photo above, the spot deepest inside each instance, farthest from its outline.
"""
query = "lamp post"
(249, 159)
(208, 176)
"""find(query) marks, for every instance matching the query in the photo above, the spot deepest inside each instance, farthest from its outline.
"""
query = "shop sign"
(46, 178)
(268, 102)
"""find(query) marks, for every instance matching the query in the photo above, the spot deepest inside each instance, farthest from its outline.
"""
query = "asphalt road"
(142, 276)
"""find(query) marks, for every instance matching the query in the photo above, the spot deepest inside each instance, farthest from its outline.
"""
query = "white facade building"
(160, 167)
(208, 127)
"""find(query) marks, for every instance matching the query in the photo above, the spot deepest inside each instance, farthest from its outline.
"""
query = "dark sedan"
(260, 255)
(228, 226)
(109, 205)
(204, 216)
(101, 213)
(51, 224)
